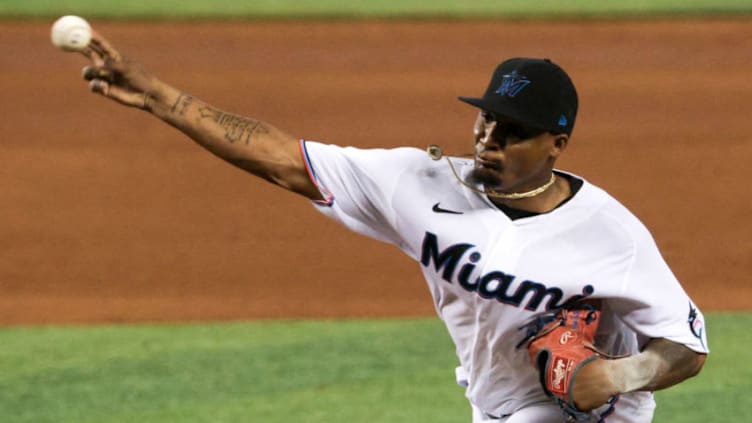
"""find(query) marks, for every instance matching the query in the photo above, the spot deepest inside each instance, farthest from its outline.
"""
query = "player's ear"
(559, 144)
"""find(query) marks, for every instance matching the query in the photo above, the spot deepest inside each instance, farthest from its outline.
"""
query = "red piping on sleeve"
(328, 196)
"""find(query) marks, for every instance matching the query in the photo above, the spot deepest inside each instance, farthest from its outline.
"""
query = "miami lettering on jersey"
(492, 285)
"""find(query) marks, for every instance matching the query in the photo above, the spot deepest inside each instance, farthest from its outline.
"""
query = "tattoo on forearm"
(236, 128)
(181, 104)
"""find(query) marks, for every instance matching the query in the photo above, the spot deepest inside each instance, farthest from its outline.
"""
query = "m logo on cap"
(512, 84)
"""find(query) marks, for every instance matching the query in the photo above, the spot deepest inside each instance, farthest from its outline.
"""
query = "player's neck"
(544, 202)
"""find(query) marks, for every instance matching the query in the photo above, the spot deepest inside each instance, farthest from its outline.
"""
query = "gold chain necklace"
(518, 195)
(434, 151)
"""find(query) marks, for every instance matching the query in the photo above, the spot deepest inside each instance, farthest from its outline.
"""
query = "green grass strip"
(719, 393)
(224, 9)
(252, 372)
(310, 371)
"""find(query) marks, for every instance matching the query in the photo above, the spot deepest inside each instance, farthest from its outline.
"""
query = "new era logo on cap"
(512, 84)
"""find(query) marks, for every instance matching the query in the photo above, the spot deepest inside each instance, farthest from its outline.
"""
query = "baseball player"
(556, 296)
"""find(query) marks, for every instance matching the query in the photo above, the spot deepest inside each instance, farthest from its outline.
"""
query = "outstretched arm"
(249, 144)
(660, 365)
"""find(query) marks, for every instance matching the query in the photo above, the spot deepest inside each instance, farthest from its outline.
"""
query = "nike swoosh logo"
(438, 209)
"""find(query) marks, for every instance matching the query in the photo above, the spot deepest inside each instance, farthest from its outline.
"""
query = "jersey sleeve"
(653, 302)
(358, 185)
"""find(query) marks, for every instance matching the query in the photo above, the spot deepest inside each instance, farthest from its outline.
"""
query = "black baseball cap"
(534, 92)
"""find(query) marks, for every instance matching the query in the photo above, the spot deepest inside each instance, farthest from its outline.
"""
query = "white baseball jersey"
(489, 274)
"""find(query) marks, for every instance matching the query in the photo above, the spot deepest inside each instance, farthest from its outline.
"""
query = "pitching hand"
(113, 76)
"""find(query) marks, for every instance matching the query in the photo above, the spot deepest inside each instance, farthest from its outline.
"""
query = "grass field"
(369, 8)
(317, 371)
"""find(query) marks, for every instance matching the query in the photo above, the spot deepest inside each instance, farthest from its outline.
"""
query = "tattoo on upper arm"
(181, 104)
(237, 128)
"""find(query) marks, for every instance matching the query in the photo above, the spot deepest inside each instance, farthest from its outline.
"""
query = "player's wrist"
(634, 372)
(595, 384)
(618, 381)
(160, 98)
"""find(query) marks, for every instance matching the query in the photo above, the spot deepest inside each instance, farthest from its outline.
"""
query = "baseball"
(71, 33)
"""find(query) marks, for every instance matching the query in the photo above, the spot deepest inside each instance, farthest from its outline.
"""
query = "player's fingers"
(92, 55)
(129, 98)
(103, 47)
(99, 86)
(119, 94)
(94, 72)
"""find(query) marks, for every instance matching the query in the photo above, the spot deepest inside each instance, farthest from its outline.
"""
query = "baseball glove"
(559, 344)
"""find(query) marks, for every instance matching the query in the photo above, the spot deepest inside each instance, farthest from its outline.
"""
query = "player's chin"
(484, 176)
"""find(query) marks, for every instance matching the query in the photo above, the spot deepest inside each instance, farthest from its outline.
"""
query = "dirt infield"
(108, 215)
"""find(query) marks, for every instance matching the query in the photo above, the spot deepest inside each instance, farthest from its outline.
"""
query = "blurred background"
(109, 215)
